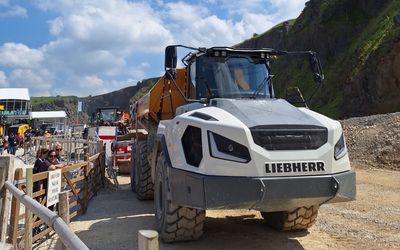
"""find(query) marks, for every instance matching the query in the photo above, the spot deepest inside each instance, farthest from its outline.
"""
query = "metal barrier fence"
(73, 149)
(81, 181)
(69, 238)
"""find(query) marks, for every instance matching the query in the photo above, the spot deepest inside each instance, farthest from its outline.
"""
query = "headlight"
(340, 148)
(224, 148)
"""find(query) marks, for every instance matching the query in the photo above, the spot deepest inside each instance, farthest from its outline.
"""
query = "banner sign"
(13, 112)
(79, 106)
(53, 187)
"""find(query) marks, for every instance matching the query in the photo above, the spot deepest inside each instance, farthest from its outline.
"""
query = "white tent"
(48, 114)
(50, 119)
(14, 93)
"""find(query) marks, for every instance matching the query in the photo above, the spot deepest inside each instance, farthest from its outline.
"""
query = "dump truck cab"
(224, 73)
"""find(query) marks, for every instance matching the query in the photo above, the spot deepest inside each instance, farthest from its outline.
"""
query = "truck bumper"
(262, 193)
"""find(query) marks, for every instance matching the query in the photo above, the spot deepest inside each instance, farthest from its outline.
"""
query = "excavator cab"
(107, 116)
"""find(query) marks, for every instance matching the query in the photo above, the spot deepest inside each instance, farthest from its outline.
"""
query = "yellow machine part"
(22, 129)
(163, 99)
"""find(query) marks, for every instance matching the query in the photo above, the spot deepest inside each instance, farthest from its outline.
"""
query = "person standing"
(12, 144)
(58, 149)
(5, 143)
(2, 145)
(27, 141)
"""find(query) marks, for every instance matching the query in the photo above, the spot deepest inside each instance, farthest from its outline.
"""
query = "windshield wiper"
(261, 86)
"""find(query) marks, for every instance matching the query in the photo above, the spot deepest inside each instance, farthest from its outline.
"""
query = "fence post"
(28, 213)
(148, 240)
(102, 159)
(86, 194)
(37, 144)
(63, 209)
(68, 152)
(15, 207)
(99, 148)
(6, 173)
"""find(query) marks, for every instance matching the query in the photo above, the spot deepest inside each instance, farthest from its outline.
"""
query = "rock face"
(120, 98)
(358, 42)
(376, 89)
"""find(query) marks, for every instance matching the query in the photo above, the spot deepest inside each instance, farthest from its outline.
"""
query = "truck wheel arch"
(161, 147)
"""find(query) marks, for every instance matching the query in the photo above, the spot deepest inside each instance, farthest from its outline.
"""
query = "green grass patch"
(51, 99)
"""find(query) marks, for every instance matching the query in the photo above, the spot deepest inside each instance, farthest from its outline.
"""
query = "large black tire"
(174, 223)
(296, 219)
(144, 187)
(133, 157)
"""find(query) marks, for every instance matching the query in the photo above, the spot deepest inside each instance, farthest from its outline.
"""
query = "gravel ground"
(370, 222)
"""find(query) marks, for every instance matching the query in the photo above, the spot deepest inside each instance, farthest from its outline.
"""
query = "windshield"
(236, 76)
(108, 115)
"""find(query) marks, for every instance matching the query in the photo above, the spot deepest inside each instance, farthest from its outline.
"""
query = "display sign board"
(53, 187)
(13, 112)
(1, 107)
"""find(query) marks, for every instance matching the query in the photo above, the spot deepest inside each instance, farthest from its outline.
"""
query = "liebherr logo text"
(293, 167)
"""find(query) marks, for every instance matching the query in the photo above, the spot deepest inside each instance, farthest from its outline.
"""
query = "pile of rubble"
(374, 141)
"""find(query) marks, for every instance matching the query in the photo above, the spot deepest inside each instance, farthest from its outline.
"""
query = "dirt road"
(371, 222)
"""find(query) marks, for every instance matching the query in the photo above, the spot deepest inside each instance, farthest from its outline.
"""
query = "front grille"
(289, 137)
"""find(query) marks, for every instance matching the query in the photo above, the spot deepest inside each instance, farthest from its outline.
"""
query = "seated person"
(239, 78)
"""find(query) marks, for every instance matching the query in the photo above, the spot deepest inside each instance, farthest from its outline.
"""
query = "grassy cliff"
(354, 38)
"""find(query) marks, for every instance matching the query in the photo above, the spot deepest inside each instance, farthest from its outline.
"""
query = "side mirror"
(316, 67)
(170, 57)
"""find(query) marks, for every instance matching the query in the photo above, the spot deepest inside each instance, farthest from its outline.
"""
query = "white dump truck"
(218, 138)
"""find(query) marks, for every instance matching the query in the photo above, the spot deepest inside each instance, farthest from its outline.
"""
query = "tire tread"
(145, 188)
(181, 223)
(296, 219)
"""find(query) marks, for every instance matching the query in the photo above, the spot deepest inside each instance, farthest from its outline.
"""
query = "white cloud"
(115, 85)
(3, 80)
(38, 81)
(139, 71)
(70, 57)
(96, 44)
(119, 26)
(4, 2)
(98, 37)
(199, 27)
(91, 82)
(287, 9)
(13, 11)
(19, 55)
(183, 12)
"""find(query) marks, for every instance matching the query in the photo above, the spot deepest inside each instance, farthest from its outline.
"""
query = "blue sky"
(90, 47)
